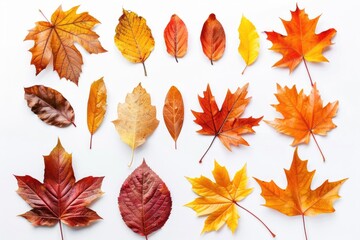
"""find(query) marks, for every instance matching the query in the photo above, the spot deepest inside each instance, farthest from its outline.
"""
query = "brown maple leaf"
(298, 198)
(225, 123)
(60, 199)
(301, 43)
(55, 40)
(304, 116)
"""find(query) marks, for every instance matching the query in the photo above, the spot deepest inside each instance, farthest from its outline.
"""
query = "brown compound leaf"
(60, 199)
(50, 106)
(144, 201)
(173, 113)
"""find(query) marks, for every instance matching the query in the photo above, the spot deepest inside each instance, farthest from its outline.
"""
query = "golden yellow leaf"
(133, 38)
(96, 106)
(136, 118)
(249, 42)
(219, 199)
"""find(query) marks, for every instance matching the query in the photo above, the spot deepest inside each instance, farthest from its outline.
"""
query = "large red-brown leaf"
(50, 105)
(176, 37)
(60, 198)
(144, 201)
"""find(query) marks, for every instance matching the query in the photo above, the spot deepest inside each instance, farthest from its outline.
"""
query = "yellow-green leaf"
(249, 42)
(133, 38)
(96, 106)
(136, 118)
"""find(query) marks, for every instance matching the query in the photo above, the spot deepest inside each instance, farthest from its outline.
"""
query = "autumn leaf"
(55, 41)
(136, 119)
(249, 42)
(50, 106)
(173, 112)
(219, 200)
(60, 199)
(225, 123)
(213, 38)
(304, 116)
(144, 201)
(176, 37)
(301, 43)
(133, 38)
(96, 106)
(298, 198)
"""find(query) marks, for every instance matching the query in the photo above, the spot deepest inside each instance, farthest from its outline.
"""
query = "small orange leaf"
(176, 37)
(298, 198)
(213, 38)
(96, 106)
(173, 112)
(304, 116)
(55, 41)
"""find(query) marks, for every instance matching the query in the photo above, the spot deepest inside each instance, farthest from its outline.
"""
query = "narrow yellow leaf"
(96, 106)
(136, 118)
(249, 42)
(133, 38)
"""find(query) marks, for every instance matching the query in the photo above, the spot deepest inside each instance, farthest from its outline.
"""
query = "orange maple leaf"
(55, 40)
(301, 43)
(225, 123)
(304, 116)
(298, 198)
(219, 199)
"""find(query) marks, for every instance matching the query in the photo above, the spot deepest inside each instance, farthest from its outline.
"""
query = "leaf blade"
(176, 37)
(173, 112)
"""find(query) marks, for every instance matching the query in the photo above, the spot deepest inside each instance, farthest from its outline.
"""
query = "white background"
(24, 139)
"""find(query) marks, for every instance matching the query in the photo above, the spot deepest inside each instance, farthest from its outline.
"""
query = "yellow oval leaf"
(173, 112)
(249, 42)
(136, 118)
(133, 38)
(96, 106)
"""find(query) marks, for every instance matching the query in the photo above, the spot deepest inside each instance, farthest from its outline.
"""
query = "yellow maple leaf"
(219, 199)
(136, 118)
(249, 42)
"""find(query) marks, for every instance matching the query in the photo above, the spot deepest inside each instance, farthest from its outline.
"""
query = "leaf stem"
(303, 220)
(132, 158)
(73, 124)
(272, 234)
(91, 137)
(175, 145)
(211, 61)
(146, 237)
(212, 142)
(44, 15)
(318, 146)
(176, 59)
(307, 69)
(61, 230)
(143, 63)
(242, 73)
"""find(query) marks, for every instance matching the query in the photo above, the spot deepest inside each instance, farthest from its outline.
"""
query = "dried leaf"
(304, 116)
(173, 113)
(136, 118)
(144, 201)
(60, 198)
(213, 38)
(176, 37)
(219, 199)
(301, 43)
(225, 123)
(96, 106)
(298, 198)
(249, 42)
(55, 40)
(133, 38)
(50, 106)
